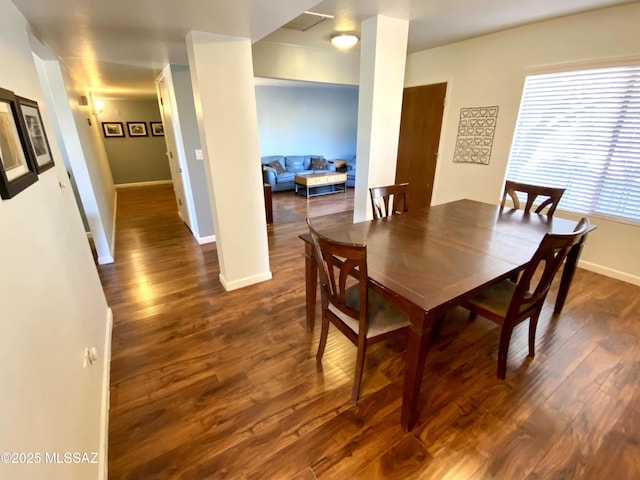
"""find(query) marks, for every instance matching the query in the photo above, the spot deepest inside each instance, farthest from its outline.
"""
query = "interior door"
(420, 125)
(174, 162)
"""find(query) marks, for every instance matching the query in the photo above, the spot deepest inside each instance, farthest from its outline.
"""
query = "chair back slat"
(340, 265)
(550, 196)
(389, 199)
(543, 267)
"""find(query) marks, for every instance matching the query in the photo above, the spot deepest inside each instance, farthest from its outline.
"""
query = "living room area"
(307, 133)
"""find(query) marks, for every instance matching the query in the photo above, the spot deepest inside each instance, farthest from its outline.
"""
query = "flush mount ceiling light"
(343, 40)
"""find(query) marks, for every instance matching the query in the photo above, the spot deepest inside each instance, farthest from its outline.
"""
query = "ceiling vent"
(306, 21)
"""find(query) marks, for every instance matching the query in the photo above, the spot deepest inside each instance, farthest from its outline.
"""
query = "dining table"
(430, 260)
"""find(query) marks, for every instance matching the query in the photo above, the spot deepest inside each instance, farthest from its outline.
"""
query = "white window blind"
(581, 130)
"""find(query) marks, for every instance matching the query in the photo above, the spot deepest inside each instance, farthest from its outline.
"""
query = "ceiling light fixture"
(344, 41)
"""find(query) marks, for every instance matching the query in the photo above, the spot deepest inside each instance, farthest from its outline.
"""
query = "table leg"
(417, 349)
(567, 276)
(311, 284)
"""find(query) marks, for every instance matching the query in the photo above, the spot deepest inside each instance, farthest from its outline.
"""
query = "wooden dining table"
(428, 261)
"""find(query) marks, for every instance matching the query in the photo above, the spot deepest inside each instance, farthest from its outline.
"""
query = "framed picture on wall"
(112, 129)
(137, 129)
(157, 129)
(37, 136)
(17, 165)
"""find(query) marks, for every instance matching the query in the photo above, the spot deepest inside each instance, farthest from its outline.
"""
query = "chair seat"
(383, 316)
(497, 298)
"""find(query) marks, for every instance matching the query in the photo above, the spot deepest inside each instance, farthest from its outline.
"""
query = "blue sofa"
(291, 166)
(351, 172)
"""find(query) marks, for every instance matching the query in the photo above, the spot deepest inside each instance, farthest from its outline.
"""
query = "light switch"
(199, 155)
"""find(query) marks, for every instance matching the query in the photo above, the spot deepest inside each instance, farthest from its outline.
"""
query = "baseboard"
(610, 272)
(105, 259)
(106, 399)
(245, 282)
(143, 184)
(113, 227)
(208, 239)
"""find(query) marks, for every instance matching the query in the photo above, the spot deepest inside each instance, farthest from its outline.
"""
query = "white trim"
(104, 259)
(245, 282)
(582, 65)
(610, 272)
(113, 226)
(106, 399)
(143, 184)
(207, 239)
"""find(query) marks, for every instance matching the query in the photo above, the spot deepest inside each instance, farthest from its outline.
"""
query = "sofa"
(351, 172)
(279, 170)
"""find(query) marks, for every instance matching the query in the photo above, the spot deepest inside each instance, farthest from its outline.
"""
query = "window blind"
(581, 130)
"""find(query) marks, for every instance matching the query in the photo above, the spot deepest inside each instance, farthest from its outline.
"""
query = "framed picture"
(157, 129)
(37, 136)
(17, 165)
(137, 129)
(113, 129)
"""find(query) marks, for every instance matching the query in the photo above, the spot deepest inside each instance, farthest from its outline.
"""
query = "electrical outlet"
(90, 356)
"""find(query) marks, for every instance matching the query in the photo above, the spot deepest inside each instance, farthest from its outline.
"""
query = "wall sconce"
(98, 107)
(344, 40)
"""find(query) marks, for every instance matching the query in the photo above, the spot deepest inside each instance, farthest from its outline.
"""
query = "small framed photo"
(137, 129)
(112, 129)
(157, 129)
(37, 136)
(17, 165)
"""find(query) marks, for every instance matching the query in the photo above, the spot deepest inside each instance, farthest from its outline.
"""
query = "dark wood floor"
(210, 385)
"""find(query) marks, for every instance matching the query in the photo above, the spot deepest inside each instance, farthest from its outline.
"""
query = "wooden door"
(420, 125)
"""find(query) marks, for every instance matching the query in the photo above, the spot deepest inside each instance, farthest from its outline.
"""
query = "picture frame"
(17, 165)
(157, 129)
(137, 129)
(38, 141)
(112, 129)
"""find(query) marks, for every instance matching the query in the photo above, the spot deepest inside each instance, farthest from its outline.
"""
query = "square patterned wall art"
(475, 134)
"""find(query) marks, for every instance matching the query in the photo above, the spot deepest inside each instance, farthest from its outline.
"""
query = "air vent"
(306, 21)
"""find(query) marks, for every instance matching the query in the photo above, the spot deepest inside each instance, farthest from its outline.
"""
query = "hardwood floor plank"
(225, 385)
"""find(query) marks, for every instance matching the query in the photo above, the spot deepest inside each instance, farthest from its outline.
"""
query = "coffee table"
(314, 184)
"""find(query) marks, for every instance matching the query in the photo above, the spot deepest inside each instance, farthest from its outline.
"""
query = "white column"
(382, 63)
(223, 86)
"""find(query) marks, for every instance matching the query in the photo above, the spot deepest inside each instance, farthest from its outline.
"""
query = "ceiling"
(119, 46)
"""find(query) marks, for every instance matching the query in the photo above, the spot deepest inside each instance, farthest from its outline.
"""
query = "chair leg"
(472, 316)
(324, 332)
(533, 324)
(503, 350)
(357, 379)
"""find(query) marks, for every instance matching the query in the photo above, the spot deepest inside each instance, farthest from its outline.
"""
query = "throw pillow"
(318, 164)
(277, 166)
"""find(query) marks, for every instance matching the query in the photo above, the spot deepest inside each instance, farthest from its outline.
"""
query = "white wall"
(307, 120)
(52, 304)
(178, 81)
(293, 62)
(490, 71)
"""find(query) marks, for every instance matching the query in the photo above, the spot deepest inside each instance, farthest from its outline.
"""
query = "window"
(581, 130)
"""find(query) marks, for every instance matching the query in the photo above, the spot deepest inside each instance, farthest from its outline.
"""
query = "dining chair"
(550, 196)
(349, 302)
(388, 200)
(509, 303)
